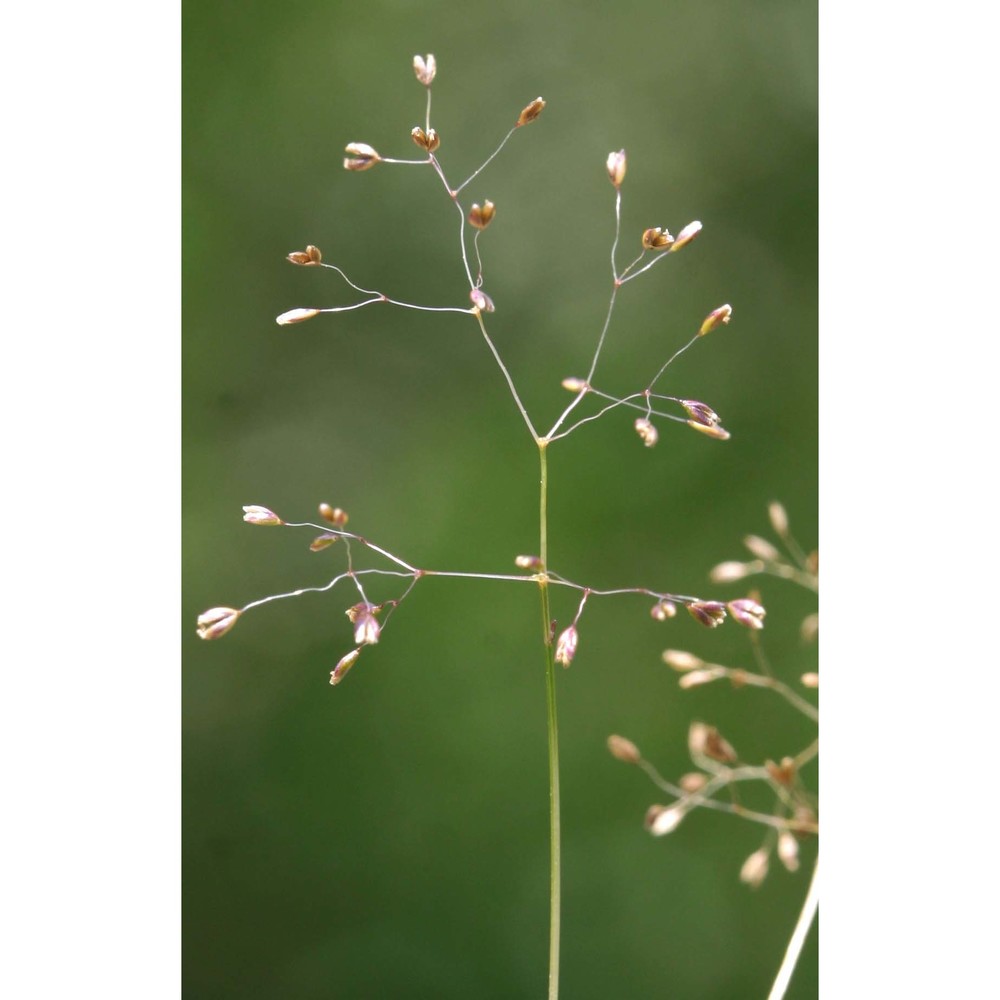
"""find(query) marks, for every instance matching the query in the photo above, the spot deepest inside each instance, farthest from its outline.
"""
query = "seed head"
(718, 747)
(696, 678)
(697, 735)
(783, 773)
(323, 541)
(656, 239)
(716, 318)
(661, 820)
(343, 665)
(360, 156)
(528, 562)
(425, 68)
(334, 515)
(428, 140)
(779, 518)
(754, 869)
(663, 610)
(366, 626)
(311, 256)
(216, 622)
(762, 548)
(566, 646)
(788, 850)
(804, 817)
(710, 430)
(707, 741)
(481, 216)
(686, 235)
(531, 112)
(679, 659)
(296, 316)
(748, 613)
(617, 164)
(260, 515)
(481, 300)
(730, 572)
(624, 750)
(711, 614)
(647, 432)
(693, 781)
(700, 413)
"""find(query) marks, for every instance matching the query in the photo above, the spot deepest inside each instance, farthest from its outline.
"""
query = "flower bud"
(573, 384)
(663, 610)
(696, 678)
(810, 680)
(321, 542)
(343, 665)
(730, 572)
(788, 850)
(779, 518)
(805, 819)
(481, 300)
(748, 613)
(754, 869)
(697, 735)
(686, 235)
(334, 515)
(366, 626)
(707, 741)
(624, 750)
(296, 316)
(700, 413)
(617, 165)
(310, 256)
(645, 429)
(656, 239)
(360, 156)
(216, 622)
(425, 68)
(715, 319)
(711, 430)
(711, 614)
(783, 773)
(693, 781)
(260, 515)
(566, 646)
(481, 216)
(681, 660)
(661, 820)
(762, 548)
(429, 140)
(531, 112)
(528, 562)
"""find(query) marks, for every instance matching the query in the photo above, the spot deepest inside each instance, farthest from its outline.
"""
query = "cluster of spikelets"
(655, 242)
(364, 614)
(361, 156)
(719, 767)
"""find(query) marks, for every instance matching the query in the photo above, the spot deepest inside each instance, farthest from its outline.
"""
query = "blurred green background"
(388, 837)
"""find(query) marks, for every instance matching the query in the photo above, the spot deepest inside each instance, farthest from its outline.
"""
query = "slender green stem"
(555, 870)
(798, 938)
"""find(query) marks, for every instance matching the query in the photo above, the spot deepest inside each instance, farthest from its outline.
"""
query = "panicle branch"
(364, 615)
(719, 766)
